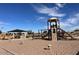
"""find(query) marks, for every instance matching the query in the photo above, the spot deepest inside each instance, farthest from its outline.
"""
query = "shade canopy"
(52, 19)
(17, 30)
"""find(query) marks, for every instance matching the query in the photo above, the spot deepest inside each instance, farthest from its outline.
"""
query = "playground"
(55, 41)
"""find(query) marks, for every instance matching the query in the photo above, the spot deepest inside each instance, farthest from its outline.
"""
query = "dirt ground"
(24, 47)
(37, 47)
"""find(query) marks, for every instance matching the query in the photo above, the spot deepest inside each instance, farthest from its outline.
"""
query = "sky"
(30, 16)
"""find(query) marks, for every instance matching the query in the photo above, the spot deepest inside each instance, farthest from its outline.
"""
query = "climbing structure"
(55, 32)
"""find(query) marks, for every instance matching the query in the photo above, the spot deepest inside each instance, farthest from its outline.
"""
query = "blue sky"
(34, 16)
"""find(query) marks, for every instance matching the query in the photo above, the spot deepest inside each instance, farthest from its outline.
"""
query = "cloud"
(74, 20)
(4, 23)
(41, 18)
(71, 23)
(1, 23)
(48, 11)
(65, 24)
(60, 5)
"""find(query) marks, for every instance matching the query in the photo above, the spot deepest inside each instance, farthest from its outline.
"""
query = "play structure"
(53, 30)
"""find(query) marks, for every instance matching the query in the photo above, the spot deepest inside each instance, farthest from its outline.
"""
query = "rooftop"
(17, 30)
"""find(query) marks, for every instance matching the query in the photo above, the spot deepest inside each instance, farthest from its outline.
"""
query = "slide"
(66, 33)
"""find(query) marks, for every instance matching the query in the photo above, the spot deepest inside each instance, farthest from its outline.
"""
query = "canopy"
(17, 30)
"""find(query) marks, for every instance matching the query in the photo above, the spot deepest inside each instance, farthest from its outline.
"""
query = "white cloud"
(75, 27)
(41, 18)
(71, 23)
(65, 24)
(60, 5)
(1, 23)
(49, 11)
(74, 19)
(4, 23)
